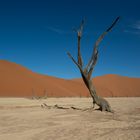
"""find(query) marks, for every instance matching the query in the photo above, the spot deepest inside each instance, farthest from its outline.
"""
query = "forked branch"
(90, 66)
(84, 76)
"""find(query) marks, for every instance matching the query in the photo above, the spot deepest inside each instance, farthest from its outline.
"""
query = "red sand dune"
(17, 81)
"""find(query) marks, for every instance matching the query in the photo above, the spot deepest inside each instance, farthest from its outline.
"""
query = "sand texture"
(18, 81)
(24, 119)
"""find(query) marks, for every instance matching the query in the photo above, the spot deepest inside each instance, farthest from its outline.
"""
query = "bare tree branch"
(113, 24)
(78, 65)
(79, 35)
(84, 75)
(44, 105)
(92, 65)
(98, 42)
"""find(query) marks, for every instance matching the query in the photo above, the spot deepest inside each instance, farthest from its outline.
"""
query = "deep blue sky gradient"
(37, 34)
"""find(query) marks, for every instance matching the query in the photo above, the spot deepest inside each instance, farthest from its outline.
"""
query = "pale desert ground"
(24, 119)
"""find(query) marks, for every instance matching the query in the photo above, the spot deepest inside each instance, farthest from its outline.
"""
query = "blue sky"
(37, 34)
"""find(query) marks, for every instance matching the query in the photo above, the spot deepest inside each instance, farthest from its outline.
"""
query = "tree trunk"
(100, 101)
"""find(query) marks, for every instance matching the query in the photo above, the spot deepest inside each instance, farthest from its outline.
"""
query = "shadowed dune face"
(16, 80)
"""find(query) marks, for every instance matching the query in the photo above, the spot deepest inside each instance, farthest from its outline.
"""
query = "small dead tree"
(86, 72)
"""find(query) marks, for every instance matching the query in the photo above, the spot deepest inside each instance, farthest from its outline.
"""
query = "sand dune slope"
(16, 80)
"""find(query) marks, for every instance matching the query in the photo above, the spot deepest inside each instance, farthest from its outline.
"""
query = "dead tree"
(86, 72)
